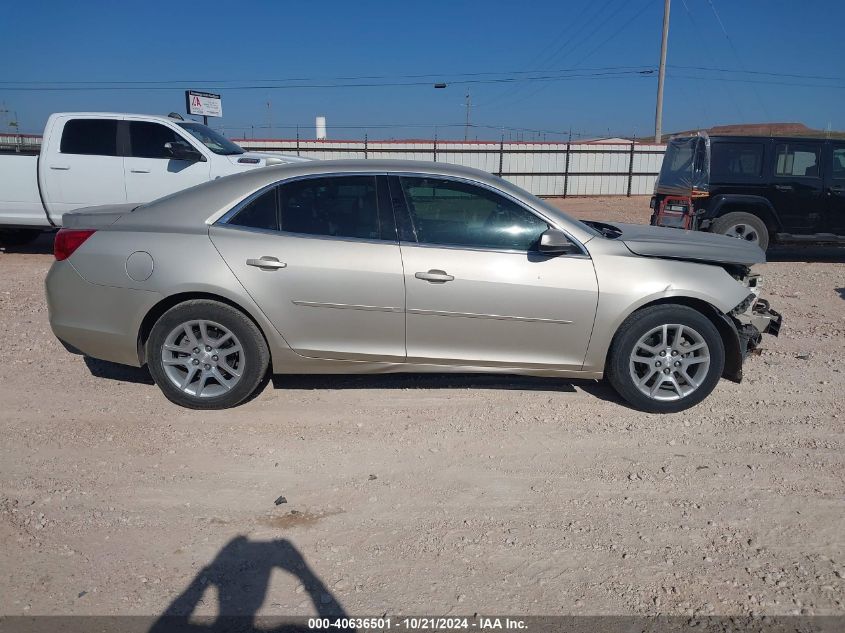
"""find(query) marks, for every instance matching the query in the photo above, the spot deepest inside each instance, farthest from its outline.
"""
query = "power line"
(758, 72)
(505, 75)
(757, 81)
(585, 57)
(737, 56)
(549, 59)
(501, 80)
(347, 78)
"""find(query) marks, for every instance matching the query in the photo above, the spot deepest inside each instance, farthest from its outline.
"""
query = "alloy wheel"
(669, 362)
(744, 232)
(203, 358)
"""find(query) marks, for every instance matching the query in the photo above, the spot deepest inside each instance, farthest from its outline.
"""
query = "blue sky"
(211, 45)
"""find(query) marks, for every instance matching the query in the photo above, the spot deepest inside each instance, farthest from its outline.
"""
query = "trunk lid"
(96, 217)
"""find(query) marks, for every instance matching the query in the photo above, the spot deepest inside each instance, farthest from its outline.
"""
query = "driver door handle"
(783, 187)
(140, 171)
(266, 263)
(435, 276)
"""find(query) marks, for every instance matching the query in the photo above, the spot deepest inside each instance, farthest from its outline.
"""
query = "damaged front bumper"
(754, 317)
(744, 326)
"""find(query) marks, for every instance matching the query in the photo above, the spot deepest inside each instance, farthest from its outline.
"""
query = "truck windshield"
(217, 143)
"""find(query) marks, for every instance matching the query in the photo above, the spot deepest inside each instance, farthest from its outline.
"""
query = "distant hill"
(760, 129)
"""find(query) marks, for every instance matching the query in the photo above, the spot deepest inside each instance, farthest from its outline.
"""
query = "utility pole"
(468, 107)
(658, 115)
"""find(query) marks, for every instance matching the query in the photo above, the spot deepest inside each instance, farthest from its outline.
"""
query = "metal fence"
(544, 169)
(20, 143)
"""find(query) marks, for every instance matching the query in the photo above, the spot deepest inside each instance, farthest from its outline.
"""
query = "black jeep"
(764, 190)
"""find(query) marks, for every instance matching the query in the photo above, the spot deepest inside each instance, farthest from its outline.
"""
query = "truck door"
(150, 167)
(796, 190)
(82, 167)
(836, 189)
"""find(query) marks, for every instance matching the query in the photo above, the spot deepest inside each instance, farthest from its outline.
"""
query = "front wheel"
(666, 358)
(206, 355)
(743, 226)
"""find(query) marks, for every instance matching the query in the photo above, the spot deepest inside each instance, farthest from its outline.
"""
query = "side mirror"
(183, 151)
(555, 242)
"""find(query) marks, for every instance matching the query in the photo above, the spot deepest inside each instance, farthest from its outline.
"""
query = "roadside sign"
(203, 103)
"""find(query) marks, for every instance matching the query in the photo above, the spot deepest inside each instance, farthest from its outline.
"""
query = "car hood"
(656, 241)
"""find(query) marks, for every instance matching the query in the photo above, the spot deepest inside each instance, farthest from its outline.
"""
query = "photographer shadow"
(240, 574)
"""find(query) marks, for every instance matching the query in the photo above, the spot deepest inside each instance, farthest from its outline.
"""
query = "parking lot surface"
(426, 494)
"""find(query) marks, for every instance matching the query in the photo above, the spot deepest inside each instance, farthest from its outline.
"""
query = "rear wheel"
(666, 358)
(206, 355)
(744, 226)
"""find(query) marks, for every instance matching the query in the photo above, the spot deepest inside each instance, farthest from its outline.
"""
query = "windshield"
(217, 143)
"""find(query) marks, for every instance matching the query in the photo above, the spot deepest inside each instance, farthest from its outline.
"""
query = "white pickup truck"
(94, 158)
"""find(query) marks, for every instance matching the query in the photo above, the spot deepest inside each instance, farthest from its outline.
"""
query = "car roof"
(204, 204)
(730, 138)
(119, 115)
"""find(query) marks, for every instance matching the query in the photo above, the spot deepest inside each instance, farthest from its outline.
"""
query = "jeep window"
(839, 163)
(736, 161)
(797, 159)
(685, 164)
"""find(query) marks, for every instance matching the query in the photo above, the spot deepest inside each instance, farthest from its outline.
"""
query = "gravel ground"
(426, 494)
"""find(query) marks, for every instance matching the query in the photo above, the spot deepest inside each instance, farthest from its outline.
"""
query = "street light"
(467, 105)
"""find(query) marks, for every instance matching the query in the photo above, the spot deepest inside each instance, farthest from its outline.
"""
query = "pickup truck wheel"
(18, 237)
(666, 358)
(743, 226)
(207, 355)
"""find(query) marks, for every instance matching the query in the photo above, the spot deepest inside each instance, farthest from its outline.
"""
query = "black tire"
(18, 237)
(619, 366)
(724, 225)
(255, 357)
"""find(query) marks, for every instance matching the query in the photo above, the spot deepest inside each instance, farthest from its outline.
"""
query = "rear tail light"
(68, 240)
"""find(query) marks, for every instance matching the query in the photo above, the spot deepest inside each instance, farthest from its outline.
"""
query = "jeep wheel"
(743, 226)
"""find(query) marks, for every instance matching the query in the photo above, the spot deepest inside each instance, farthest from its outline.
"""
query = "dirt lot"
(434, 494)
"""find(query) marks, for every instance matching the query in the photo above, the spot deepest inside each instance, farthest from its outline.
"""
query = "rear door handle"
(60, 167)
(266, 263)
(435, 276)
(837, 190)
(784, 187)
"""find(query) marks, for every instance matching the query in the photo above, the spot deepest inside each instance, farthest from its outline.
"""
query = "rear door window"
(91, 137)
(736, 162)
(799, 160)
(335, 206)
